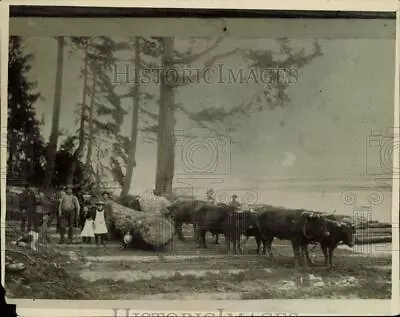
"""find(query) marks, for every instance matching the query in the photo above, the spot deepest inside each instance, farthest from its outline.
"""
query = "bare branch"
(194, 57)
(210, 62)
(192, 116)
(152, 115)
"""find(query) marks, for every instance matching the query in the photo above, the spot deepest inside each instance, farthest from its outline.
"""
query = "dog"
(32, 237)
(128, 237)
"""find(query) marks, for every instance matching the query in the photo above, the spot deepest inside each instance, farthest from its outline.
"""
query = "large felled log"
(150, 228)
(129, 201)
(373, 239)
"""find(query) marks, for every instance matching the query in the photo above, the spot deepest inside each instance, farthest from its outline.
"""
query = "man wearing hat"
(68, 213)
(234, 203)
(210, 196)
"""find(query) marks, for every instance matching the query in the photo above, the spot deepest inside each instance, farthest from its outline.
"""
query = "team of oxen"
(298, 226)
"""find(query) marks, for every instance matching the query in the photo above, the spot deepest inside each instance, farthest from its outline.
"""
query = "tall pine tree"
(26, 150)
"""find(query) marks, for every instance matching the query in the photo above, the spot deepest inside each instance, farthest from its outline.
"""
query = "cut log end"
(150, 228)
(156, 230)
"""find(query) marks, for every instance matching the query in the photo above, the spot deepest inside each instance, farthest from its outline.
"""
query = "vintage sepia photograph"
(232, 167)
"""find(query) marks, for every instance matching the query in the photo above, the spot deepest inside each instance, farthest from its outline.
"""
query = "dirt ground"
(184, 271)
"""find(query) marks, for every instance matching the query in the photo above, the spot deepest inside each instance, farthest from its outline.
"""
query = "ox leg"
(258, 241)
(228, 244)
(234, 245)
(330, 253)
(307, 254)
(304, 256)
(178, 231)
(203, 238)
(297, 254)
(196, 234)
(268, 246)
(238, 236)
(264, 242)
(216, 238)
(325, 252)
(264, 247)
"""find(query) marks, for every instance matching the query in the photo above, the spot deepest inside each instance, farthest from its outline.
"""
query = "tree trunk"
(166, 126)
(91, 113)
(135, 120)
(78, 153)
(52, 149)
(149, 228)
(98, 177)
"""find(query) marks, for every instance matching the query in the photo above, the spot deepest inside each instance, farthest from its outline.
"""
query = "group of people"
(91, 215)
(212, 200)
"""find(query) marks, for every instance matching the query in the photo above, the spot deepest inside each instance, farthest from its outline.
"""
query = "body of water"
(359, 200)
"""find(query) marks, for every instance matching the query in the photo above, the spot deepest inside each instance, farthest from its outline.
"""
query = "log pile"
(149, 228)
(373, 232)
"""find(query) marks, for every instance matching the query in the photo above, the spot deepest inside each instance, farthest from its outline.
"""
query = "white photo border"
(138, 308)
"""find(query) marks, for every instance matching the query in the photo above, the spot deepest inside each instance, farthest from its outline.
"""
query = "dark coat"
(27, 200)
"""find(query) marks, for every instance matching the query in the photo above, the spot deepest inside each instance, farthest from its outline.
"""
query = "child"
(100, 228)
(44, 229)
(88, 229)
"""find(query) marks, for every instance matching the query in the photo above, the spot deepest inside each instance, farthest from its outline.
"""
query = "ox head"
(171, 210)
(248, 221)
(315, 227)
(253, 219)
(345, 232)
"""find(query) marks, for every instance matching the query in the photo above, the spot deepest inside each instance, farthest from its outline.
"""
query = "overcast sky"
(335, 103)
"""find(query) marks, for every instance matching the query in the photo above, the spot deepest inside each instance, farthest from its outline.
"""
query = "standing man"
(234, 203)
(27, 204)
(68, 213)
(60, 197)
(210, 196)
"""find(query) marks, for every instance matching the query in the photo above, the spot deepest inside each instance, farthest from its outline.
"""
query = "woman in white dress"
(100, 228)
(88, 229)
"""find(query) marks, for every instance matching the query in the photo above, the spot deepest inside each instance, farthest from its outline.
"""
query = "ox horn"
(332, 213)
(309, 214)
